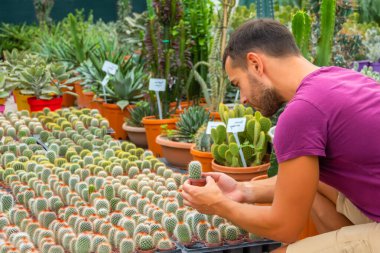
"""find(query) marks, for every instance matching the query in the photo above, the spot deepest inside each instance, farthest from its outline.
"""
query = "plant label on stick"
(212, 125)
(157, 85)
(110, 68)
(235, 126)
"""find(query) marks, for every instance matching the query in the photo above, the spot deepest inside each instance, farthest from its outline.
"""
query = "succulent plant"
(183, 233)
(231, 233)
(145, 243)
(127, 245)
(83, 243)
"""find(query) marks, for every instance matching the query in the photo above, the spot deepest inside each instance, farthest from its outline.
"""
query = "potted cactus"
(201, 149)
(134, 126)
(195, 174)
(176, 144)
(254, 144)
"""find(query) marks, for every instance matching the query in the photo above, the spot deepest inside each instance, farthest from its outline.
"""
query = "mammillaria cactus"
(83, 243)
(213, 237)
(165, 244)
(56, 249)
(183, 233)
(232, 234)
(7, 202)
(145, 243)
(104, 248)
(127, 245)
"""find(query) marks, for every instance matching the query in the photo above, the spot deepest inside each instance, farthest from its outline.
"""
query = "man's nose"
(243, 99)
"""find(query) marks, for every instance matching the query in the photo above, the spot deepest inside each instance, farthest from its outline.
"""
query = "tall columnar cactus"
(213, 236)
(264, 9)
(183, 233)
(7, 202)
(301, 28)
(202, 228)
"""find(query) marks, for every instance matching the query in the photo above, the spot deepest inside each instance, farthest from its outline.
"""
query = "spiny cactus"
(7, 202)
(145, 243)
(127, 245)
(231, 233)
(195, 170)
(183, 233)
(83, 244)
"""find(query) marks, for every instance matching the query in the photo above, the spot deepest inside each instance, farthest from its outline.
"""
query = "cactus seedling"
(195, 174)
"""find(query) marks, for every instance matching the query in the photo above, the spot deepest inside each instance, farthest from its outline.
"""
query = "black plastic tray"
(245, 247)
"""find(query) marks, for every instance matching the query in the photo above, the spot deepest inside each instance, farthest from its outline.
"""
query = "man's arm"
(260, 191)
(283, 221)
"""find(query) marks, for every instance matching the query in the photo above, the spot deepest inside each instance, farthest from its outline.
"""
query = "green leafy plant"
(141, 110)
(203, 141)
(187, 126)
(6, 86)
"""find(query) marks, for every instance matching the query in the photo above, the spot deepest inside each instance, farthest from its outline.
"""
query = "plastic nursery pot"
(241, 173)
(79, 90)
(116, 117)
(146, 251)
(96, 103)
(153, 129)
(21, 100)
(198, 182)
(235, 242)
(376, 66)
(176, 153)
(362, 63)
(136, 135)
(205, 158)
(39, 104)
(213, 245)
(67, 99)
(87, 98)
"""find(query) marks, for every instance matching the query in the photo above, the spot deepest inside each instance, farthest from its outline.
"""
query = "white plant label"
(156, 84)
(105, 80)
(213, 124)
(236, 125)
(110, 68)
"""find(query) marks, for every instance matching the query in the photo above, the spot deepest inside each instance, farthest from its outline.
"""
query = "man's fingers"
(214, 175)
(210, 180)
(186, 187)
(185, 196)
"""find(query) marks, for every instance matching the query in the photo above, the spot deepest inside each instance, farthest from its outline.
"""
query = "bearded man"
(327, 143)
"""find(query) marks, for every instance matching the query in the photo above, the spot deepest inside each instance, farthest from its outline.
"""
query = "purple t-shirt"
(335, 115)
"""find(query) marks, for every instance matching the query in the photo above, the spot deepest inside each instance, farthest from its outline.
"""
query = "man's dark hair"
(260, 35)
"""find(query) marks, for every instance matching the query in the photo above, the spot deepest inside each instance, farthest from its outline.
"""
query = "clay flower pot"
(96, 103)
(235, 242)
(176, 153)
(39, 104)
(153, 129)
(67, 99)
(213, 245)
(198, 182)
(205, 158)
(116, 117)
(241, 173)
(136, 135)
(87, 98)
(79, 90)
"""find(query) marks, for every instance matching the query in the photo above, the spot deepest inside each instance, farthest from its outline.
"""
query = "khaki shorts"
(363, 237)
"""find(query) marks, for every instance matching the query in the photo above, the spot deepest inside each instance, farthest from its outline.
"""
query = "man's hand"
(204, 199)
(228, 186)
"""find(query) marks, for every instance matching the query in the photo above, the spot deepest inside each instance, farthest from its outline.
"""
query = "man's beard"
(266, 100)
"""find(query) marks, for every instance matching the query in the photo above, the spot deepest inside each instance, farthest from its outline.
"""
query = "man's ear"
(255, 62)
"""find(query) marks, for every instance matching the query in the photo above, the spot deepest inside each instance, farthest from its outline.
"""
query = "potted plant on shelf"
(45, 83)
(254, 144)
(201, 149)
(122, 91)
(167, 51)
(134, 126)
(176, 143)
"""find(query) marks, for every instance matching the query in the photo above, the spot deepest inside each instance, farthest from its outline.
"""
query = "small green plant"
(187, 126)
(141, 110)
(203, 141)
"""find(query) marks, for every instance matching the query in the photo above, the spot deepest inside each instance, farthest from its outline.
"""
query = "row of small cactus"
(116, 197)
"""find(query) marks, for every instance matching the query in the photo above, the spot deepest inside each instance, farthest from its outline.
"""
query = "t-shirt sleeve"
(301, 130)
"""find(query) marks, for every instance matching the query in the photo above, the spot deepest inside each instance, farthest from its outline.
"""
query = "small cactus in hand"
(195, 174)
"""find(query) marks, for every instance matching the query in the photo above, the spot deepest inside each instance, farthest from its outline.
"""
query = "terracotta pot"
(87, 98)
(241, 173)
(213, 245)
(185, 105)
(176, 153)
(21, 100)
(79, 90)
(205, 158)
(235, 242)
(198, 182)
(67, 99)
(153, 129)
(215, 116)
(96, 103)
(116, 117)
(309, 230)
(39, 104)
(136, 135)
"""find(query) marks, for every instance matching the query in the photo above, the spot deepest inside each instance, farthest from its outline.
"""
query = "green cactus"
(127, 245)
(145, 243)
(170, 222)
(195, 170)
(231, 233)
(165, 244)
(183, 233)
(7, 202)
(213, 236)
(83, 243)
(201, 230)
